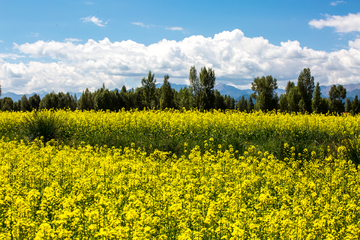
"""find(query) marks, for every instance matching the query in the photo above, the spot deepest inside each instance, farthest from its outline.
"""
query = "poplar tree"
(34, 101)
(348, 105)
(207, 84)
(336, 95)
(148, 85)
(86, 101)
(185, 98)
(283, 103)
(219, 100)
(306, 88)
(293, 98)
(195, 87)
(250, 106)
(316, 101)
(355, 107)
(24, 104)
(167, 97)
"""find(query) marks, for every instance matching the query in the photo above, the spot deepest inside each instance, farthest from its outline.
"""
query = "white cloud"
(336, 3)
(344, 24)
(1, 41)
(355, 44)
(89, 3)
(72, 40)
(94, 20)
(235, 58)
(141, 24)
(10, 56)
(174, 28)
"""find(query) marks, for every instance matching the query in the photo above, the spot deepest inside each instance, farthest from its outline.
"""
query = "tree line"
(303, 97)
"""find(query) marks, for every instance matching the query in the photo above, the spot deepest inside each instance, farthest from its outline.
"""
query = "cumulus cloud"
(235, 58)
(94, 20)
(336, 3)
(344, 24)
(355, 44)
(174, 28)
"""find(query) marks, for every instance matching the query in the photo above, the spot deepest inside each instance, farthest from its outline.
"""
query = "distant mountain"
(349, 88)
(353, 93)
(16, 97)
(232, 91)
(238, 93)
(177, 87)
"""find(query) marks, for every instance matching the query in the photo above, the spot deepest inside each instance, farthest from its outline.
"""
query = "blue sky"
(71, 45)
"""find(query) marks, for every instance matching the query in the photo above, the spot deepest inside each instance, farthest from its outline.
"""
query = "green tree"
(138, 98)
(70, 101)
(219, 100)
(348, 105)
(86, 101)
(207, 84)
(355, 106)
(324, 105)
(306, 88)
(229, 102)
(195, 87)
(7, 104)
(118, 100)
(61, 100)
(17, 106)
(336, 95)
(167, 96)
(102, 99)
(289, 86)
(125, 97)
(251, 105)
(316, 100)
(283, 103)
(24, 104)
(34, 101)
(51, 100)
(185, 98)
(242, 104)
(123, 89)
(302, 107)
(265, 95)
(293, 98)
(148, 85)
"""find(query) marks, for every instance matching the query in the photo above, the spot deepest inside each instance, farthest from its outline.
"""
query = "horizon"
(74, 45)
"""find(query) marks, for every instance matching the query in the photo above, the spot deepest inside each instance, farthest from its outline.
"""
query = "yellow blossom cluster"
(54, 191)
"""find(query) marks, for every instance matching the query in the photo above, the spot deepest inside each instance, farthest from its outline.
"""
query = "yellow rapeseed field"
(103, 177)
